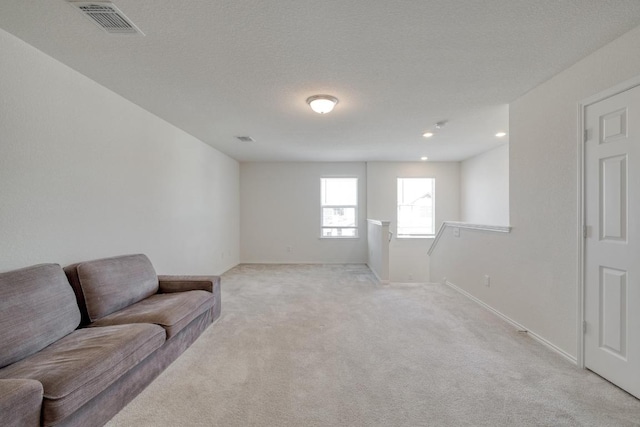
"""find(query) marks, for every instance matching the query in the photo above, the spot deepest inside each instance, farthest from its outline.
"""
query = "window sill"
(432, 236)
(338, 238)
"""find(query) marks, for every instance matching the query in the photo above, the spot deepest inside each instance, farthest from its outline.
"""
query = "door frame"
(608, 93)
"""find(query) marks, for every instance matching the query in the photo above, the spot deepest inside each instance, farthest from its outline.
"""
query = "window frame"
(355, 227)
(433, 210)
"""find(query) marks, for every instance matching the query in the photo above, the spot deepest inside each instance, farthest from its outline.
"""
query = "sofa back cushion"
(37, 308)
(111, 284)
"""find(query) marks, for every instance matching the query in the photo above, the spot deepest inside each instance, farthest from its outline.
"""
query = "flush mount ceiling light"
(322, 104)
(427, 134)
(501, 134)
(424, 158)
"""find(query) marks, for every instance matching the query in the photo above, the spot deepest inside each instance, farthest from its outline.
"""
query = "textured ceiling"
(221, 69)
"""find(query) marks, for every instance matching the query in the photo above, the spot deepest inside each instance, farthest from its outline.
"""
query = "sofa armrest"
(170, 284)
(20, 402)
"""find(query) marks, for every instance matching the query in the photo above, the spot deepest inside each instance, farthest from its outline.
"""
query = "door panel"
(613, 198)
(613, 315)
(612, 250)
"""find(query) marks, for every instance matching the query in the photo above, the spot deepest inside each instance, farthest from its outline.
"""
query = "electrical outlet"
(410, 276)
(456, 232)
(288, 248)
(487, 280)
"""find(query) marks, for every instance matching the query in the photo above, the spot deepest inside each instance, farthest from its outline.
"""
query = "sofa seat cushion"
(171, 311)
(78, 367)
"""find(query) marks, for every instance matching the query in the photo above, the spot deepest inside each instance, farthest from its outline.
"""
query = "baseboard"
(301, 263)
(384, 282)
(515, 324)
(408, 283)
(227, 268)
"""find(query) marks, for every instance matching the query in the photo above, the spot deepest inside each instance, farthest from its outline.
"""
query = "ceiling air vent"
(246, 139)
(106, 16)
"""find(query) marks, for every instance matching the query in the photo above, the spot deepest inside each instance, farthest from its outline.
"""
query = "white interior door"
(612, 245)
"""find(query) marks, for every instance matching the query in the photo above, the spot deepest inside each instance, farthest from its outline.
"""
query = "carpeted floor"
(325, 345)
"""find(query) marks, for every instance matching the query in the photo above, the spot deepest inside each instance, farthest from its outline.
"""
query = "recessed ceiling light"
(427, 134)
(424, 158)
(322, 104)
(501, 134)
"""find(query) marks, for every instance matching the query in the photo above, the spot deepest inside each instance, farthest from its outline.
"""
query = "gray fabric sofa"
(76, 345)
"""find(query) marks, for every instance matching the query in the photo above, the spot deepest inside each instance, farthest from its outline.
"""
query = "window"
(339, 207)
(416, 198)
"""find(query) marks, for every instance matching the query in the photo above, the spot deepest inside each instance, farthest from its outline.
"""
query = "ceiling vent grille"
(246, 139)
(106, 16)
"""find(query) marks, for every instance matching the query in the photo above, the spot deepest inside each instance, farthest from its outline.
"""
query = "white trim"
(339, 237)
(408, 283)
(615, 90)
(483, 227)
(301, 263)
(580, 238)
(513, 323)
(383, 282)
(468, 226)
(379, 222)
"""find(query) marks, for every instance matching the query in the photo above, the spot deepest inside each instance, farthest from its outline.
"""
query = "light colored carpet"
(325, 345)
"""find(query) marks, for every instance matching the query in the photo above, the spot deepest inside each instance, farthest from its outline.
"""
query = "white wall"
(408, 257)
(280, 209)
(378, 241)
(484, 187)
(85, 174)
(536, 265)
